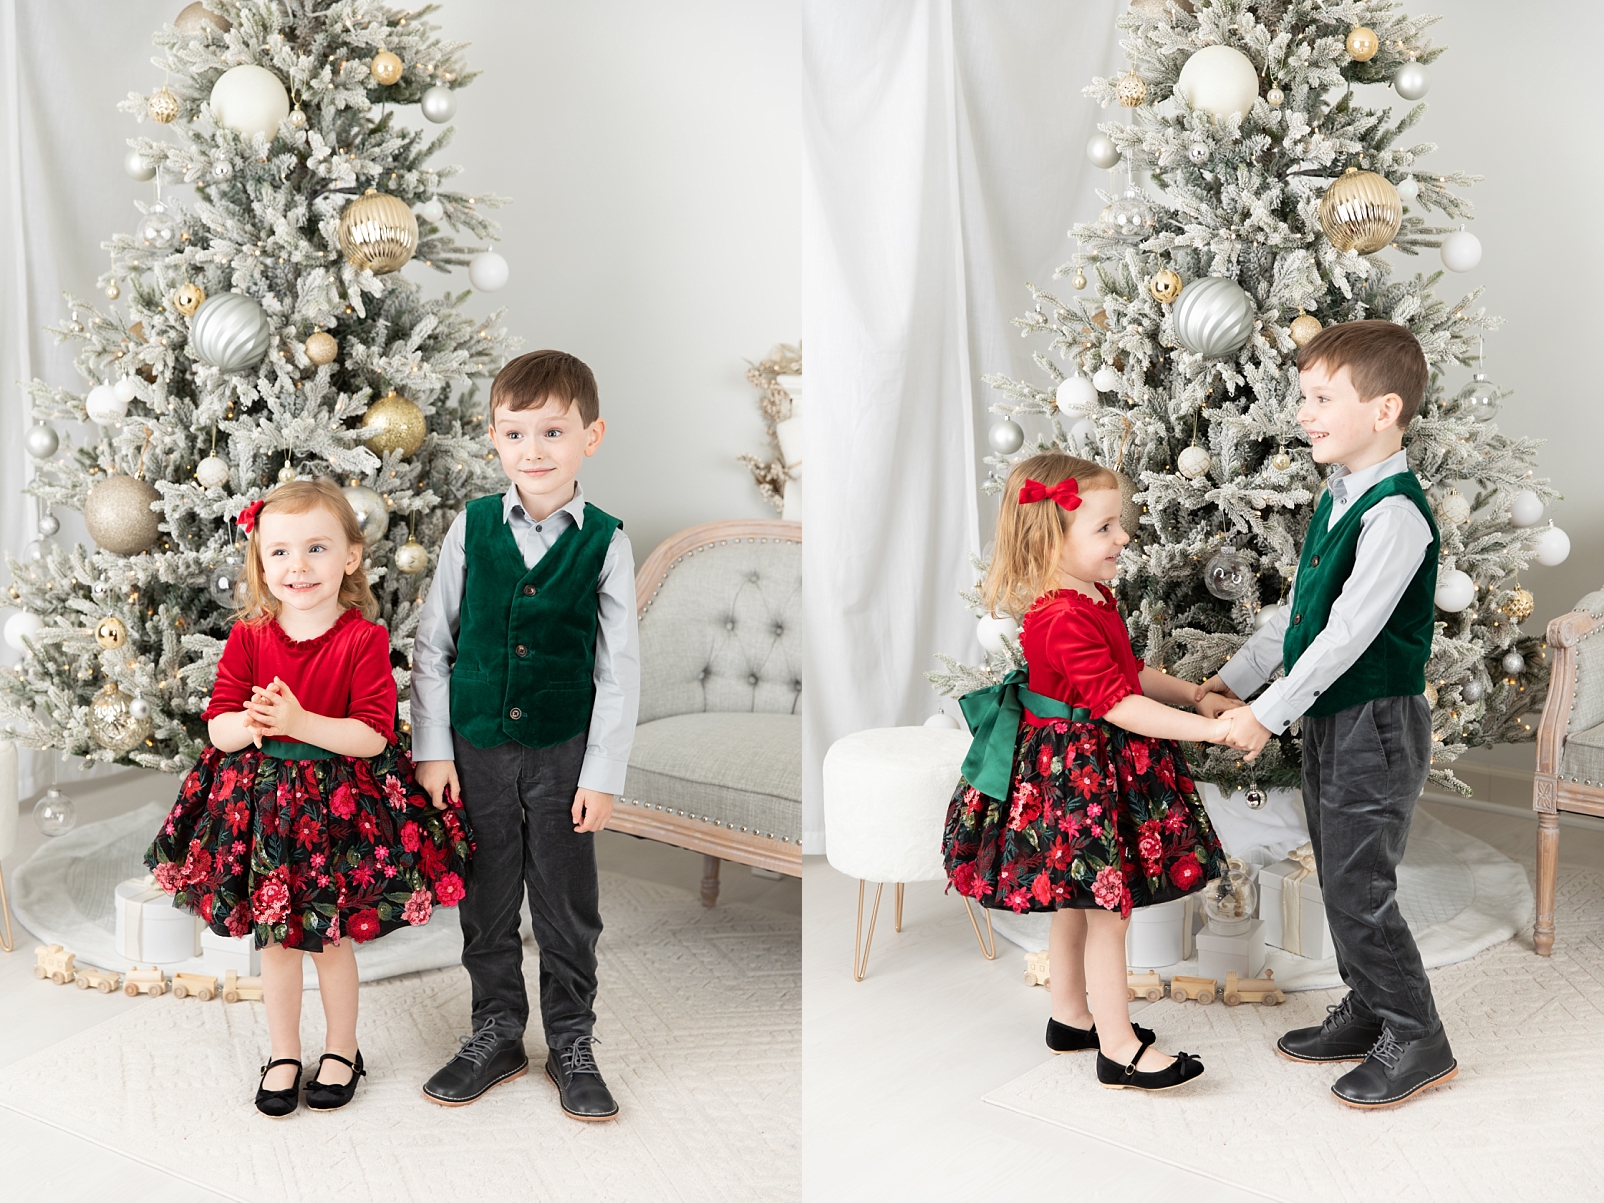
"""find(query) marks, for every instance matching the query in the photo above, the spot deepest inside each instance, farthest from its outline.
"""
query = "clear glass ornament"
(1130, 217)
(1479, 398)
(226, 580)
(1231, 900)
(55, 814)
(1228, 574)
(40, 550)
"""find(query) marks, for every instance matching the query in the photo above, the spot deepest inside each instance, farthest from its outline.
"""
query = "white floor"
(42, 1162)
(896, 1064)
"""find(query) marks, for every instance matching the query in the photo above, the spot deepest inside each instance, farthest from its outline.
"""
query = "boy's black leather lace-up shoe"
(1397, 1070)
(1344, 1036)
(579, 1084)
(485, 1059)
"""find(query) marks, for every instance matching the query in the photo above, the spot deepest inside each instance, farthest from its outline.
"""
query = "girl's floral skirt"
(1096, 817)
(308, 852)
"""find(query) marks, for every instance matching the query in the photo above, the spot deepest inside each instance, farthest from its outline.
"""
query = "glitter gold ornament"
(1165, 286)
(118, 515)
(393, 423)
(1130, 89)
(1303, 328)
(1360, 211)
(162, 105)
(188, 299)
(112, 633)
(1362, 43)
(321, 348)
(112, 722)
(1518, 605)
(386, 67)
(378, 232)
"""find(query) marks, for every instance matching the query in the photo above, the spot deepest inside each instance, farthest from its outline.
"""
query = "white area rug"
(1458, 895)
(1519, 1122)
(699, 1035)
(63, 894)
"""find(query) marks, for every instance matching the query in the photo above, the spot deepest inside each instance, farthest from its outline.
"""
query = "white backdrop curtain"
(945, 143)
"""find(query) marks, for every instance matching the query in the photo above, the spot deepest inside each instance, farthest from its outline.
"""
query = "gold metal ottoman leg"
(860, 967)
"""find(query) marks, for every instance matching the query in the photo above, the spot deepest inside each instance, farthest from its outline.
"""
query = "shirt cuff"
(602, 774)
(1273, 711)
(1240, 679)
(432, 743)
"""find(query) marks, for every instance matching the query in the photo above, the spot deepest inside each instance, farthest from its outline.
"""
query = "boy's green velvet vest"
(526, 641)
(1394, 665)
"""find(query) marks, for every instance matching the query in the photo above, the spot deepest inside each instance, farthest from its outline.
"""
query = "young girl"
(1075, 799)
(301, 823)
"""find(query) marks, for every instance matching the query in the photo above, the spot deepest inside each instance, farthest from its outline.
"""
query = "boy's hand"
(438, 779)
(1247, 732)
(274, 710)
(591, 810)
(1212, 705)
(1214, 685)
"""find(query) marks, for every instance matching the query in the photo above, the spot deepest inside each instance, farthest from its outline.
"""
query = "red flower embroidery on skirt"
(271, 901)
(1139, 755)
(364, 925)
(1186, 872)
(1108, 887)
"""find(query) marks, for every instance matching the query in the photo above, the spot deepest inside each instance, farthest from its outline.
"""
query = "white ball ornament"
(439, 104)
(432, 209)
(1102, 152)
(1220, 81)
(138, 166)
(991, 630)
(1461, 251)
(1265, 615)
(1107, 379)
(1006, 437)
(1455, 591)
(1408, 188)
(250, 100)
(1083, 434)
(1526, 509)
(488, 271)
(22, 625)
(1553, 546)
(1075, 393)
(1411, 81)
(943, 721)
(411, 557)
(212, 472)
(126, 389)
(1454, 508)
(41, 440)
(104, 406)
(1193, 463)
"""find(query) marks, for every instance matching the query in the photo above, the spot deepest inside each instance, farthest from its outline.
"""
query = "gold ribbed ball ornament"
(188, 299)
(1165, 286)
(162, 105)
(1362, 43)
(1303, 328)
(118, 515)
(1361, 212)
(387, 67)
(1130, 89)
(411, 557)
(112, 721)
(112, 633)
(321, 348)
(1519, 605)
(393, 423)
(378, 232)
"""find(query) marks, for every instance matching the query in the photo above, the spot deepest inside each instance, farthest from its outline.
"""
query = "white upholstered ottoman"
(886, 792)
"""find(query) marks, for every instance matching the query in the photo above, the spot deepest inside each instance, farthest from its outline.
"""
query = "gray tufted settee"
(716, 765)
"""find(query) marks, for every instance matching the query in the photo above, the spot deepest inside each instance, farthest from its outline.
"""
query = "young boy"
(525, 688)
(1354, 636)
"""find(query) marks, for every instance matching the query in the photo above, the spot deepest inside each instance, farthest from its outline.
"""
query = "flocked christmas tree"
(256, 329)
(1276, 196)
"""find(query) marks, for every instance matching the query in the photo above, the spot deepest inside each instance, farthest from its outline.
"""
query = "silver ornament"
(1473, 690)
(1255, 797)
(139, 708)
(41, 440)
(212, 472)
(1193, 462)
(1199, 152)
(1130, 218)
(439, 104)
(111, 723)
(138, 166)
(1479, 398)
(1006, 437)
(222, 169)
(49, 524)
(230, 332)
(118, 515)
(1408, 188)
(411, 557)
(371, 513)
(54, 814)
(1411, 81)
(1228, 574)
(226, 580)
(1213, 316)
(1102, 152)
(1513, 664)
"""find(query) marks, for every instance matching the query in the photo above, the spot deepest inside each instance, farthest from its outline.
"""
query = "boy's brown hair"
(1381, 357)
(540, 378)
(1024, 559)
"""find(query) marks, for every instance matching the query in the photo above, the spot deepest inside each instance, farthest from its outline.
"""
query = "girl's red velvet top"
(1079, 651)
(342, 673)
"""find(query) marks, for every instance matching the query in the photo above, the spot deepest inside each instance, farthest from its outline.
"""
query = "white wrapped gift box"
(1292, 907)
(1155, 936)
(150, 929)
(1243, 954)
(219, 954)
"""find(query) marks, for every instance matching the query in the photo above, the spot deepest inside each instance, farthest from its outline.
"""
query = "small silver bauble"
(139, 708)
(439, 104)
(1255, 797)
(1479, 398)
(1513, 663)
(432, 209)
(411, 557)
(371, 513)
(222, 169)
(1193, 462)
(1213, 316)
(41, 440)
(1411, 81)
(1274, 97)
(212, 472)
(1006, 437)
(1408, 188)
(1130, 217)
(54, 814)
(138, 166)
(1472, 690)
(224, 580)
(111, 723)
(1228, 574)
(49, 524)
(1102, 152)
(1199, 152)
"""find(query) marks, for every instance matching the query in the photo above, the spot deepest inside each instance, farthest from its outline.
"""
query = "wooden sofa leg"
(710, 865)
(1547, 871)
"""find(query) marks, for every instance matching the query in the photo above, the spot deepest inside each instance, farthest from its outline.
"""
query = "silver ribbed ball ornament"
(49, 525)
(1228, 574)
(371, 514)
(439, 104)
(1006, 437)
(1411, 81)
(1513, 664)
(113, 724)
(411, 557)
(41, 440)
(1101, 151)
(212, 472)
(118, 515)
(1213, 316)
(230, 332)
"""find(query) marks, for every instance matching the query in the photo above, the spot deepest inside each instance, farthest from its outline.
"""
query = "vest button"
(521, 650)
(1296, 619)
(529, 590)
(515, 714)
(1314, 561)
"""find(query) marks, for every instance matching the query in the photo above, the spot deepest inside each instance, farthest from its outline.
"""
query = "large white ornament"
(1220, 81)
(1455, 591)
(1213, 316)
(104, 406)
(1102, 152)
(488, 271)
(22, 625)
(1553, 546)
(991, 630)
(1075, 394)
(439, 104)
(138, 166)
(1265, 615)
(230, 332)
(1108, 379)
(1461, 251)
(1193, 462)
(250, 100)
(1526, 509)
(1411, 81)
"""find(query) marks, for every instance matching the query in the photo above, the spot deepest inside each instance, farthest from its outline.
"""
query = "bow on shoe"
(1066, 493)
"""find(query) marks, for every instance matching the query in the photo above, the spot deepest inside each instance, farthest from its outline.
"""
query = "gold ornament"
(112, 721)
(321, 348)
(1518, 605)
(1274, 97)
(188, 298)
(1303, 328)
(1362, 43)
(112, 633)
(198, 21)
(411, 557)
(386, 67)
(1361, 211)
(162, 105)
(286, 474)
(1431, 695)
(118, 515)
(1079, 282)
(1165, 286)
(1281, 461)
(378, 232)
(112, 291)
(393, 423)
(1130, 89)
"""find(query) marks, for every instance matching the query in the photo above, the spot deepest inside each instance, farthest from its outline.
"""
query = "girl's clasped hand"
(272, 712)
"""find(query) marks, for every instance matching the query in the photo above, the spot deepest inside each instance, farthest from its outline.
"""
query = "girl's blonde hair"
(297, 497)
(1024, 561)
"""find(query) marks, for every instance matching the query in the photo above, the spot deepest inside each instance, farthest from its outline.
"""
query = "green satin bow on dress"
(993, 714)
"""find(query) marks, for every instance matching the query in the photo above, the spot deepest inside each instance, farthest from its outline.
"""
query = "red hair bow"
(247, 516)
(1066, 493)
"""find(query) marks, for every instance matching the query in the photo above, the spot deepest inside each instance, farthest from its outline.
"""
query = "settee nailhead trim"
(705, 819)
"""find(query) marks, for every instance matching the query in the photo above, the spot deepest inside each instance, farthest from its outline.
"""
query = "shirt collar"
(1350, 486)
(575, 509)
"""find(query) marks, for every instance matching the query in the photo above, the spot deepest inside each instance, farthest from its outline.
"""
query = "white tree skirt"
(1458, 895)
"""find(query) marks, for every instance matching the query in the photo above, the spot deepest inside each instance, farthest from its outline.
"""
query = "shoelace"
(478, 1047)
(1387, 1049)
(1338, 1015)
(577, 1058)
